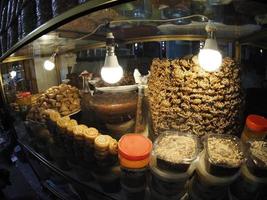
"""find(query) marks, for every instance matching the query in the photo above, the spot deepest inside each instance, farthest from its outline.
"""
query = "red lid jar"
(134, 151)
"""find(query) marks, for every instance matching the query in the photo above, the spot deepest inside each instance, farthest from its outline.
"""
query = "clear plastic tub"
(257, 158)
(208, 180)
(223, 154)
(169, 183)
(175, 151)
(247, 186)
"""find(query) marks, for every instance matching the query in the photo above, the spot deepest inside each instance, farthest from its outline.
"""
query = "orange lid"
(256, 123)
(134, 147)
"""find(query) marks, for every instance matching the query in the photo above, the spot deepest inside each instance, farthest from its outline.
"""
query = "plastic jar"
(247, 186)
(255, 128)
(174, 155)
(207, 186)
(223, 155)
(168, 184)
(134, 156)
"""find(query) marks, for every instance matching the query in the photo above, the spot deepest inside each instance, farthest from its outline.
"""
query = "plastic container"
(175, 151)
(247, 186)
(134, 178)
(209, 180)
(134, 151)
(206, 186)
(168, 183)
(257, 158)
(223, 154)
(196, 191)
(134, 155)
(255, 128)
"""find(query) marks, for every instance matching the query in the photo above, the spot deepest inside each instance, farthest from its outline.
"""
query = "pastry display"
(175, 151)
(51, 118)
(36, 113)
(105, 150)
(90, 135)
(82, 143)
(184, 97)
(224, 155)
(257, 158)
(63, 98)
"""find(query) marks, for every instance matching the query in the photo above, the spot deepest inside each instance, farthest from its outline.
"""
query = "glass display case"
(84, 74)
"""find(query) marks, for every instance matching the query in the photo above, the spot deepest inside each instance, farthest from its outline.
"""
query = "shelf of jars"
(24, 21)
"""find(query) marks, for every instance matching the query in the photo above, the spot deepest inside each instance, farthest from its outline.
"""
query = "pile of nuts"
(175, 148)
(184, 97)
(224, 151)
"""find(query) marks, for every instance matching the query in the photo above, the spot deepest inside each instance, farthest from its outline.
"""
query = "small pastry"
(102, 142)
(91, 134)
(113, 147)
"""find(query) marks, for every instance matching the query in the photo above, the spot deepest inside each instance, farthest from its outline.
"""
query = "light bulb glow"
(111, 75)
(210, 60)
(49, 65)
(13, 74)
(111, 72)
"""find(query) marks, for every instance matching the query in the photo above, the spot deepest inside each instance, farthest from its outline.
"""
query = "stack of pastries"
(80, 142)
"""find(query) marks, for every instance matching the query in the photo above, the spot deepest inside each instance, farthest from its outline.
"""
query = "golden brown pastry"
(113, 147)
(91, 134)
(102, 142)
(63, 98)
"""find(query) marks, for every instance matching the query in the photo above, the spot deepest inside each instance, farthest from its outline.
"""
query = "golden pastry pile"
(184, 97)
(63, 98)
(76, 138)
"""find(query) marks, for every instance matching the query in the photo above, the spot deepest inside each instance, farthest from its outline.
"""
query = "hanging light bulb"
(111, 72)
(209, 58)
(49, 64)
(13, 74)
